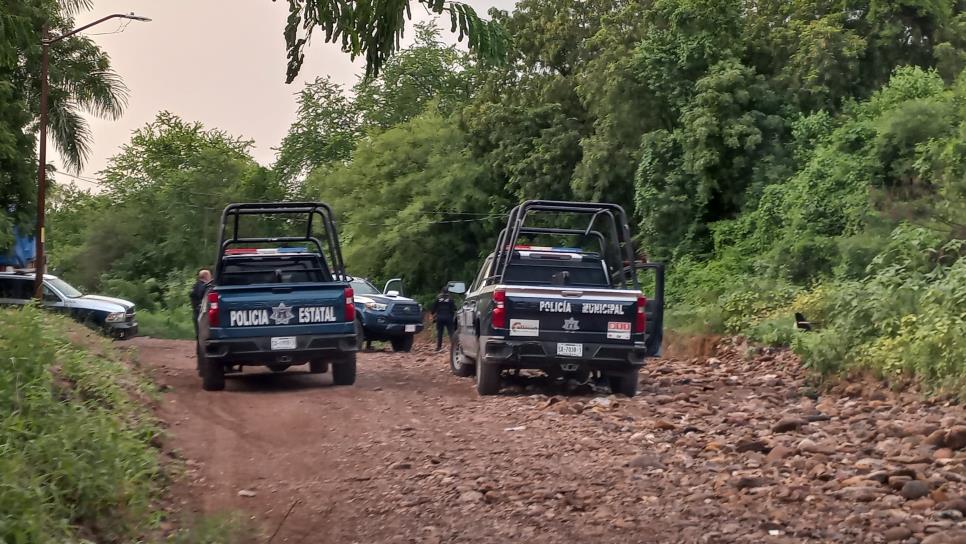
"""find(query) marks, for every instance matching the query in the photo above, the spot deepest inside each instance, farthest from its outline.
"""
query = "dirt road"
(714, 449)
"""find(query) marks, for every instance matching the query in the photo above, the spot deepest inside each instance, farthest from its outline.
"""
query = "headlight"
(115, 317)
(376, 306)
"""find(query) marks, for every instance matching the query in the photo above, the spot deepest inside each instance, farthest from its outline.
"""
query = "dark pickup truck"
(278, 306)
(568, 311)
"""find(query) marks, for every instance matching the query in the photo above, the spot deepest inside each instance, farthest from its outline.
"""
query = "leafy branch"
(373, 29)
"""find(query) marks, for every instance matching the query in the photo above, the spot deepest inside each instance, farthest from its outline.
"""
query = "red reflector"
(641, 320)
(214, 319)
(241, 251)
(498, 316)
(350, 304)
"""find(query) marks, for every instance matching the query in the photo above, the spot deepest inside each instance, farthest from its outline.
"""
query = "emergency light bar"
(547, 248)
(264, 251)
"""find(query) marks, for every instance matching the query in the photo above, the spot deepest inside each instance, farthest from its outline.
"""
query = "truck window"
(258, 270)
(16, 288)
(555, 272)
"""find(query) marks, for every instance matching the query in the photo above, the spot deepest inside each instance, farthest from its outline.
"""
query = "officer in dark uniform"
(444, 311)
(197, 295)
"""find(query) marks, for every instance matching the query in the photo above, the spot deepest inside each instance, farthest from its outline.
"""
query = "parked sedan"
(114, 316)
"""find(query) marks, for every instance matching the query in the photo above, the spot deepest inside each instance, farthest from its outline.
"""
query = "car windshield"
(363, 287)
(65, 288)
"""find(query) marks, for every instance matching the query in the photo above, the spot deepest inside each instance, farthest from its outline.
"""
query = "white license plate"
(570, 350)
(410, 328)
(283, 342)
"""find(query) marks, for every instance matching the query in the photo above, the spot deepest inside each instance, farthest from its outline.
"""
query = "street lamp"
(46, 41)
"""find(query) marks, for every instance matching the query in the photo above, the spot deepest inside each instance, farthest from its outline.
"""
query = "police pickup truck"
(278, 306)
(574, 312)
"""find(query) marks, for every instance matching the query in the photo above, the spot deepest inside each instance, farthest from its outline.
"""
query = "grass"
(77, 462)
(172, 324)
(75, 435)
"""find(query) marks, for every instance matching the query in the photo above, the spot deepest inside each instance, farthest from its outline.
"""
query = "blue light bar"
(292, 250)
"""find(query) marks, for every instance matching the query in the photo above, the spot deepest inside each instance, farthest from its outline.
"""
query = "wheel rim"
(456, 359)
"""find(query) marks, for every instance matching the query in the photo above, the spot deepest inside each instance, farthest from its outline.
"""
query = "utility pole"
(46, 40)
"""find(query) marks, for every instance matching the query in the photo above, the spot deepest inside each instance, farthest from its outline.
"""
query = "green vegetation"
(74, 435)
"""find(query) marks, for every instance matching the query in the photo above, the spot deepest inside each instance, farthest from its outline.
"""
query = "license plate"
(410, 328)
(570, 350)
(283, 342)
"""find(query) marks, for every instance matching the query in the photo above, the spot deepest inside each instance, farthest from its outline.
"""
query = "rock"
(248, 493)
(954, 515)
(602, 402)
(750, 482)
(779, 453)
(664, 425)
(943, 453)
(401, 465)
(810, 446)
(859, 493)
(896, 533)
(515, 429)
(787, 424)
(914, 489)
(471, 496)
(946, 537)
(955, 437)
(645, 461)
(936, 439)
(953, 504)
(751, 444)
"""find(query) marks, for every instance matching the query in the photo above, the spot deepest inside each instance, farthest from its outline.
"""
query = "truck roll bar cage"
(619, 232)
(232, 214)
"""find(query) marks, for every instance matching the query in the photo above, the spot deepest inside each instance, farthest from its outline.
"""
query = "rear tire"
(487, 379)
(402, 343)
(344, 371)
(459, 364)
(318, 367)
(212, 375)
(624, 383)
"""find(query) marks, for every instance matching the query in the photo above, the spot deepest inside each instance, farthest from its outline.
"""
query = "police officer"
(444, 310)
(198, 294)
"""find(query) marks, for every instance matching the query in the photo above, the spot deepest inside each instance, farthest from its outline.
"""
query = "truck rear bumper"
(538, 354)
(258, 350)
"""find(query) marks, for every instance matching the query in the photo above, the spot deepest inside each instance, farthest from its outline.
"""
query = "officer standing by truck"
(444, 311)
(198, 293)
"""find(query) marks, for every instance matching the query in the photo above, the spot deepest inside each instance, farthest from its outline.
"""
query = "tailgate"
(572, 315)
(291, 309)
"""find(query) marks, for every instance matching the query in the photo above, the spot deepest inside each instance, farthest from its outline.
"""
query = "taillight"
(213, 317)
(350, 305)
(641, 321)
(498, 317)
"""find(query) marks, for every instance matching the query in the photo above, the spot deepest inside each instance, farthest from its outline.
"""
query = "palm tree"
(81, 80)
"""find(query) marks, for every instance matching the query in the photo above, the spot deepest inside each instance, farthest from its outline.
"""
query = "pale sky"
(220, 62)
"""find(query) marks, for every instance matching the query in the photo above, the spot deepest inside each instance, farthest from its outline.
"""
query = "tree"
(164, 193)
(414, 190)
(80, 80)
(325, 131)
(373, 30)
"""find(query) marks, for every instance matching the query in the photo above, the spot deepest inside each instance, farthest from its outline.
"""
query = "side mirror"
(456, 287)
(392, 293)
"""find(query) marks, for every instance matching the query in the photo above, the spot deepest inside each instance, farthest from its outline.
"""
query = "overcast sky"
(219, 62)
